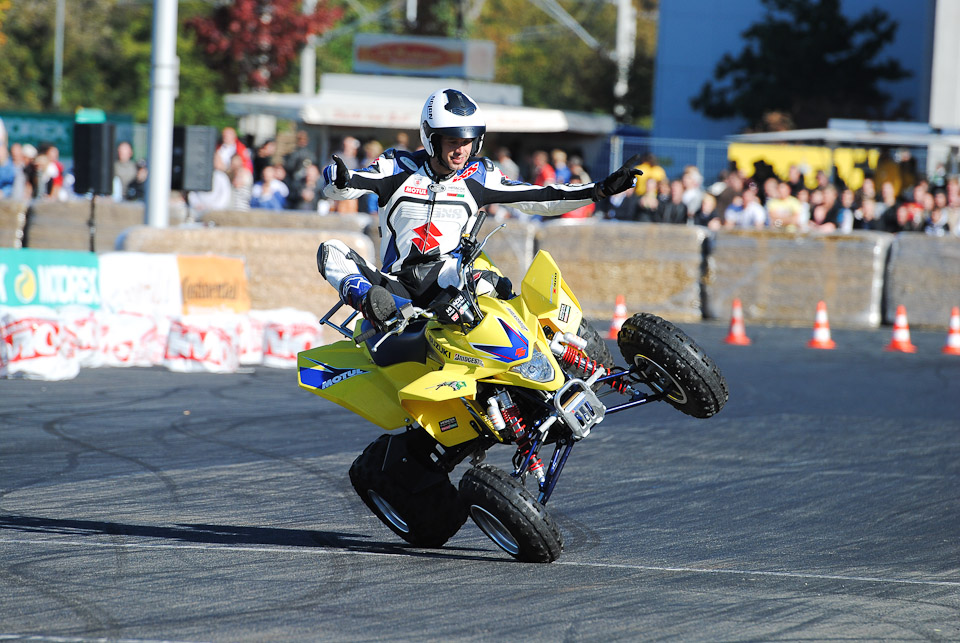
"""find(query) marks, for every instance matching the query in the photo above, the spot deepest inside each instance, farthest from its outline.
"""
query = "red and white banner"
(286, 332)
(203, 343)
(34, 345)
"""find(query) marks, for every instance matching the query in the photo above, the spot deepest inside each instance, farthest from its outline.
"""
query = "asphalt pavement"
(822, 503)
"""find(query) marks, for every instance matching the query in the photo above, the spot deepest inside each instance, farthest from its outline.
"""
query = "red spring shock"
(577, 360)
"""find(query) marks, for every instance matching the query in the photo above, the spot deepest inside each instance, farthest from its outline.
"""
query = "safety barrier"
(657, 268)
(13, 218)
(924, 277)
(780, 277)
(683, 273)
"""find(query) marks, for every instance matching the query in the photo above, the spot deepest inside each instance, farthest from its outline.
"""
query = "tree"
(253, 42)
(808, 62)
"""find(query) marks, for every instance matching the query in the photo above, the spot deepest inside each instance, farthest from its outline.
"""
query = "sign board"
(423, 56)
(213, 284)
(49, 278)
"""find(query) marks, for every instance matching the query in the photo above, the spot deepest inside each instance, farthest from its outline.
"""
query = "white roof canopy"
(364, 109)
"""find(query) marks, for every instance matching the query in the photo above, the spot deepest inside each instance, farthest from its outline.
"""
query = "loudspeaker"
(93, 153)
(193, 149)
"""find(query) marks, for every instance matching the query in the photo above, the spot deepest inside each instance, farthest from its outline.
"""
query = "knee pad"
(333, 251)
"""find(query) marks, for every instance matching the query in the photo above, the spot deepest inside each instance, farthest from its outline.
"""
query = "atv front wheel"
(410, 495)
(509, 515)
(664, 358)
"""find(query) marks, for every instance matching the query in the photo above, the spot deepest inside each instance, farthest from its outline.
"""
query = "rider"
(427, 199)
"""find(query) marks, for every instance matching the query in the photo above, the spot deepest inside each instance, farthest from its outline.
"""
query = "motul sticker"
(564, 315)
(449, 423)
(409, 189)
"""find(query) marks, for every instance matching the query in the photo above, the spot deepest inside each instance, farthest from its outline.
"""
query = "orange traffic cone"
(619, 316)
(901, 333)
(737, 334)
(953, 335)
(821, 330)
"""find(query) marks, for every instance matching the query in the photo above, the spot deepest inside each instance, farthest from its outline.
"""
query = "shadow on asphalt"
(236, 536)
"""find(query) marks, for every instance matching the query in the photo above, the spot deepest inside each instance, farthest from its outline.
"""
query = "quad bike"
(528, 372)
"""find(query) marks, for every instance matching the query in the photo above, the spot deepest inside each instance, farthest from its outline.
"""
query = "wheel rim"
(495, 530)
(659, 379)
(389, 513)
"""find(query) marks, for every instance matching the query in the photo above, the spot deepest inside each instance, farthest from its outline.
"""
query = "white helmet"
(450, 112)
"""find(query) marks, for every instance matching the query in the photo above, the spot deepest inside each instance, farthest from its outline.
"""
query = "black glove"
(618, 181)
(342, 174)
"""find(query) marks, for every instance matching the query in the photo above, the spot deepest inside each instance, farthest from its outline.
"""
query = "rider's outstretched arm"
(382, 177)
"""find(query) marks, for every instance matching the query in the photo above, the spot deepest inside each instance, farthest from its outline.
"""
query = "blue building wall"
(694, 34)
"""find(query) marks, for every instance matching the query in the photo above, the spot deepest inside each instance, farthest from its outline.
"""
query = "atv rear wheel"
(509, 515)
(410, 495)
(664, 358)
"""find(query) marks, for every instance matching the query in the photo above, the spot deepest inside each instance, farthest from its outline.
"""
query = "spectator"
(732, 190)
(935, 223)
(783, 209)
(308, 190)
(506, 164)
(124, 170)
(692, 188)
(707, 215)
(51, 175)
(401, 142)
(887, 171)
(771, 190)
(844, 218)
(231, 146)
(649, 203)
(577, 170)
(865, 217)
(868, 190)
(746, 212)
(349, 150)
(823, 217)
(220, 194)
(371, 150)
(270, 193)
(8, 173)
(137, 188)
(795, 180)
(294, 164)
(542, 172)
(19, 160)
(29, 172)
(673, 210)
(888, 201)
(651, 170)
(241, 183)
(263, 157)
(561, 172)
(952, 209)
(803, 218)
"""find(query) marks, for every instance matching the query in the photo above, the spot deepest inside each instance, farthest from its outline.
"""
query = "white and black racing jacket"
(422, 217)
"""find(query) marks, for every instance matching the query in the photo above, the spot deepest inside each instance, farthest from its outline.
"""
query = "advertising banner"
(210, 284)
(140, 282)
(423, 56)
(48, 278)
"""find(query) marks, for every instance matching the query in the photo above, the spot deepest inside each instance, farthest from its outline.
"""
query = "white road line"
(72, 639)
(326, 551)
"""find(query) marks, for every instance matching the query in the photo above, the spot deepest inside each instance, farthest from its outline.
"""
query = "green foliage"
(808, 61)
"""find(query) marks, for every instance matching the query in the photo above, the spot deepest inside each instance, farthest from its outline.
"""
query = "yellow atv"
(528, 372)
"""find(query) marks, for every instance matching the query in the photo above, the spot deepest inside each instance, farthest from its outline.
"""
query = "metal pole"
(308, 57)
(164, 85)
(58, 55)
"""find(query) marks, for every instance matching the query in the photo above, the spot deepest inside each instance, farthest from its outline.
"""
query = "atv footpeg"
(579, 407)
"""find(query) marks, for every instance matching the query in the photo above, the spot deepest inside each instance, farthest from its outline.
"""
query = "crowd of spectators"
(890, 198)
(885, 201)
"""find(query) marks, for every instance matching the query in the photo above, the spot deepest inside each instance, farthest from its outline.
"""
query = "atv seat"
(408, 346)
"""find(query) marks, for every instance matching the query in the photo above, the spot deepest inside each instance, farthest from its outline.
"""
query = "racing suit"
(422, 218)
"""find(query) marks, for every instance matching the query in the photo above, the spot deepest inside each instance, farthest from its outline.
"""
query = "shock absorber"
(569, 351)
